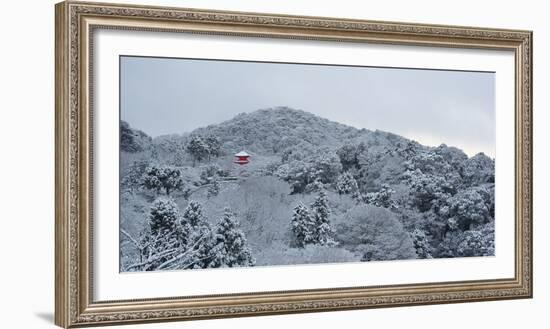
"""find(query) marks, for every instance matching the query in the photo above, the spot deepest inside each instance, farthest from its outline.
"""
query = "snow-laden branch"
(134, 241)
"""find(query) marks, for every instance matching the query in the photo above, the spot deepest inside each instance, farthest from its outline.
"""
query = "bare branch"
(138, 245)
(184, 254)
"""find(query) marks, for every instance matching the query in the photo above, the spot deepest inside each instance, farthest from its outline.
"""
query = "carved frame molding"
(75, 24)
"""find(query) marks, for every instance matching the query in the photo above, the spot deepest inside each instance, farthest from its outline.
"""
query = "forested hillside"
(315, 191)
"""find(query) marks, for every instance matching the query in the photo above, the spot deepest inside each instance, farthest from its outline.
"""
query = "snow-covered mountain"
(387, 197)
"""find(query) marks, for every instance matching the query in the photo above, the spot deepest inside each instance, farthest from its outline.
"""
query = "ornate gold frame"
(76, 21)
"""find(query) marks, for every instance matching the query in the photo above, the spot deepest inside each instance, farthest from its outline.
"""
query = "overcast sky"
(164, 96)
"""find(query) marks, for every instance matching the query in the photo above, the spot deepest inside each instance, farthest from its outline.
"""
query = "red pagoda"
(242, 158)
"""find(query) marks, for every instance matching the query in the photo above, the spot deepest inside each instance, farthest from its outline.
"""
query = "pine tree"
(199, 236)
(163, 216)
(320, 215)
(202, 244)
(303, 226)
(231, 248)
(192, 215)
(325, 235)
(174, 241)
(163, 234)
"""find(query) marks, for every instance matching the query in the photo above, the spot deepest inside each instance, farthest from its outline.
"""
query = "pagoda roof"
(242, 154)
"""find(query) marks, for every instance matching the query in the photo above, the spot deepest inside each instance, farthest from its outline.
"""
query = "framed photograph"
(217, 164)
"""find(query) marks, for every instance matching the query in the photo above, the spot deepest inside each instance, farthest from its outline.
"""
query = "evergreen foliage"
(346, 183)
(303, 226)
(231, 245)
(162, 177)
(320, 211)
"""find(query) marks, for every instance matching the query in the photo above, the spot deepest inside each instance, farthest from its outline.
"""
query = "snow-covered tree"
(211, 173)
(231, 247)
(320, 212)
(382, 198)
(193, 215)
(325, 235)
(198, 237)
(421, 244)
(435, 162)
(326, 167)
(376, 233)
(477, 242)
(303, 226)
(202, 246)
(151, 179)
(297, 174)
(350, 155)
(163, 216)
(213, 189)
(179, 154)
(133, 140)
(322, 167)
(453, 156)
(469, 207)
(162, 177)
(132, 178)
(213, 146)
(427, 189)
(198, 148)
(346, 184)
(161, 238)
(172, 180)
(478, 169)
